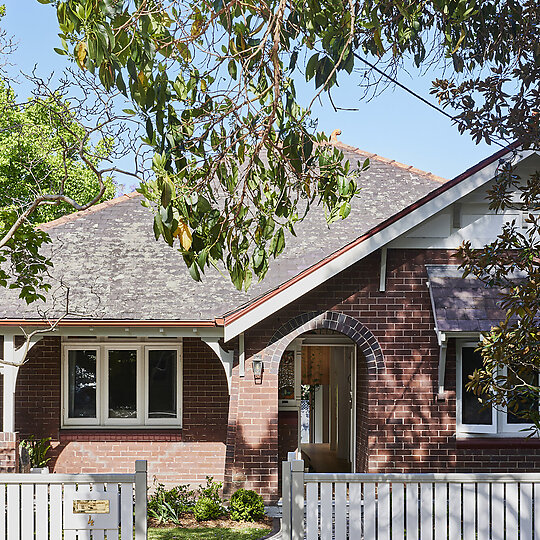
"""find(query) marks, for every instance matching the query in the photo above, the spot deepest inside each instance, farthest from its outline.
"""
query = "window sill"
(113, 433)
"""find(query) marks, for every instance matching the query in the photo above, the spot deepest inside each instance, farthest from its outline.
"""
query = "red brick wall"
(402, 426)
(407, 429)
(37, 394)
(174, 456)
(287, 433)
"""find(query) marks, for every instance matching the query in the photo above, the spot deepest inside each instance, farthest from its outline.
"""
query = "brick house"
(363, 334)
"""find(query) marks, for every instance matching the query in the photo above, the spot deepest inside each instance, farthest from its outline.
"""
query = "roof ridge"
(410, 168)
(82, 213)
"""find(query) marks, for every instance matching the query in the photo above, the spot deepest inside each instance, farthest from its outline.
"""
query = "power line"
(413, 93)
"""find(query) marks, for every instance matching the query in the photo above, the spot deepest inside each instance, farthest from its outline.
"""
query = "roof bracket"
(241, 356)
(226, 357)
(442, 365)
(382, 275)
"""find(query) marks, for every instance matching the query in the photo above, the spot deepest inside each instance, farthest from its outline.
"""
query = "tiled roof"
(116, 270)
(462, 304)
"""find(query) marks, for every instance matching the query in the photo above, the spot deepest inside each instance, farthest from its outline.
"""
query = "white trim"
(102, 421)
(354, 419)
(241, 356)
(64, 369)
(382, 274)
(500, 428)
(9, 376)
(462, 428)
(139, 386)
(442, 367)
(361, 250)
(177, 420)
(143, 333)
(225, 357)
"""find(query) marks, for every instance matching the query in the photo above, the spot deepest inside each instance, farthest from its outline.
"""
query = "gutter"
(115, 322)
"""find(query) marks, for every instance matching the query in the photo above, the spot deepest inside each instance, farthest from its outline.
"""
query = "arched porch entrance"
(324, 368)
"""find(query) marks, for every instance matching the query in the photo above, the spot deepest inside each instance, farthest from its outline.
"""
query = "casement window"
(122, 385)
(472, 416)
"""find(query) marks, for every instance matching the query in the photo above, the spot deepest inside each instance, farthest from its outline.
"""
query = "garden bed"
(222, 528)
(188, 521)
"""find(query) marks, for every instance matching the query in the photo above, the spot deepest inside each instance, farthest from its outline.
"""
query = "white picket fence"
(74, 506)
(453, 506)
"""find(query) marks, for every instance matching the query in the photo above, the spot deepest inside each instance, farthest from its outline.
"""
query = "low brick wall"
(9, 456)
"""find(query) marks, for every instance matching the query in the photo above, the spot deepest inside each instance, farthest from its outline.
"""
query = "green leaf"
(166, 193)
(194, 272)
(312, 66)
(345, 210)
(233, 69)
(278, 243)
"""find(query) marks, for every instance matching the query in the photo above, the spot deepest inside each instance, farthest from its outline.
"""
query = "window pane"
(525, 402)
(473, 412)
(123, 384)
(162, 384)
(82, 384)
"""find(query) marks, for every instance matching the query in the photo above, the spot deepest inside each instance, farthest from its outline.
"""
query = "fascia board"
(360, 250)
(123, 331)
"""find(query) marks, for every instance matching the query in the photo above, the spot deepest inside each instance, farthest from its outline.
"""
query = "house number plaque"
(91, 506)
(91, 509)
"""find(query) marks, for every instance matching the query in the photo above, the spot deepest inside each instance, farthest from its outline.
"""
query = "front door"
(327, 420)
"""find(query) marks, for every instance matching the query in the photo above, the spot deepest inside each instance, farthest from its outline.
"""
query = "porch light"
(257, 368)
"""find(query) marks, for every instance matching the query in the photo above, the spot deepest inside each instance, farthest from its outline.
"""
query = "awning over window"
(462, 304)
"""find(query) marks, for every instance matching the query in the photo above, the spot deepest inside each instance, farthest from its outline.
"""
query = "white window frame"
(461, 427)
(105, 389)
(65, 379)
(499, 426)
(102, 419)
(179, 378)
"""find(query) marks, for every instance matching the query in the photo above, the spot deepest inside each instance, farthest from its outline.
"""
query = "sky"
(394, 124)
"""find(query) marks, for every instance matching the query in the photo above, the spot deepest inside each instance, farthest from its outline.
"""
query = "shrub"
(246, 505)
(207, 508)
(211, 490)
(168, 505)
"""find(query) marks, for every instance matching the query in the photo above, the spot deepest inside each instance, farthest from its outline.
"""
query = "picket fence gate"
(74, 506)
(453, 506)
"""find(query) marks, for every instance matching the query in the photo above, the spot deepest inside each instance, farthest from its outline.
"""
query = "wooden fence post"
(286, 500)
(140, 500)
(297, 500)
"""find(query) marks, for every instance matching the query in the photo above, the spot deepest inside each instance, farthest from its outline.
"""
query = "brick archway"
(331, 320)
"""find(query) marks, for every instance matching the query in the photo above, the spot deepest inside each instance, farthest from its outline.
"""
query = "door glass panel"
(473, 412)
(82, 384)
(122, 383)
(162, 384)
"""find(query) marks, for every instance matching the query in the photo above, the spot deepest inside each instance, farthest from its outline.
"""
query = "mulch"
(187, 521)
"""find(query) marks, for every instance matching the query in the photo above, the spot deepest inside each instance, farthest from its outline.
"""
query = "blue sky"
(394, 124)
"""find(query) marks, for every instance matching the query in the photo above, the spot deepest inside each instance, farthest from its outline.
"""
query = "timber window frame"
(99, 387)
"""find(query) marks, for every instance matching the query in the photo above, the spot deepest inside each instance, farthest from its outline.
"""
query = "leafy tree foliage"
(48, 168)
(38, 153)
(511, 351)
(237, 162)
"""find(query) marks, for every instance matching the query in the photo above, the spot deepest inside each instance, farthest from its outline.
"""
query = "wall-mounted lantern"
(257, 368)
